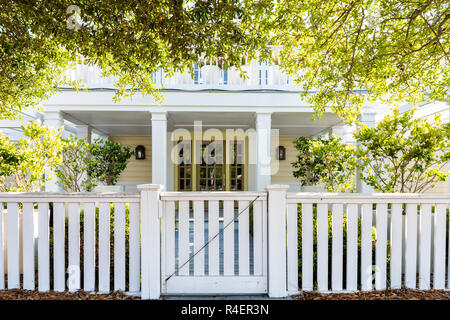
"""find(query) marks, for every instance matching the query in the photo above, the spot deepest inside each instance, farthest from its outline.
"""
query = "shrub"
(72, 172)
(111, 244)
(299, 215)
(23, 163)
(108, 160)
(327, 161)
(403, 154)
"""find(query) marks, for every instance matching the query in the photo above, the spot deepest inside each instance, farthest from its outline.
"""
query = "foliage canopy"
(129, 39)
(342, 53)
(345, 53)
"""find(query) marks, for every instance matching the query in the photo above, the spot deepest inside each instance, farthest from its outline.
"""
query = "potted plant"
(107, 161)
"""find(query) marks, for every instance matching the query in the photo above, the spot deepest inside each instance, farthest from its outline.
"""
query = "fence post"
(150, 241)
(276, 216)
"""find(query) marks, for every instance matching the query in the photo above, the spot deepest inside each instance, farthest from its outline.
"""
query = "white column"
(159, 148)
(170, 166)
(276, 224)
(150, 241)
(368, 118)
(263, 133)
(84, 132)
(56, 121)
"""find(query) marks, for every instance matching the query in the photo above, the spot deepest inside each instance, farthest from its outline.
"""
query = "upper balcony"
(209, 76)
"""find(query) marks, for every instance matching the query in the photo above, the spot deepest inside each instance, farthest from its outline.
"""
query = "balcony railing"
(260, 76)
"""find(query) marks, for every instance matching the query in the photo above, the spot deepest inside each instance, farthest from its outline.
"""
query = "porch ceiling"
(302, 124)
(114, 123)
(138, 123)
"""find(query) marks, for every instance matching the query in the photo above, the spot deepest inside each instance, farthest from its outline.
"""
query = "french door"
(212, 172)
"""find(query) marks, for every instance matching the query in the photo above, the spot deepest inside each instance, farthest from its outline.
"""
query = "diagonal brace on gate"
(210, 240)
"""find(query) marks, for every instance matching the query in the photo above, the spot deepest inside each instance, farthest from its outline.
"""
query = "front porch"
(192, 150)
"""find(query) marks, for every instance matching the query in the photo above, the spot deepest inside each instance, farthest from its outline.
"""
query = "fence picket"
(228, 238)
(170, 237)
(380, 247)
(307, 246)
(411, 246)
(292, 247)
(352, 247)
(322, 246)
(439, 247)
(12, 244)
(396, 246)
(59, 263)
(337, 247)
(183, 236)
(134, 245)
(199, 237)
(366, 246)
(448, 258)
(119, 246)
(213, 229)
(103, 247)
(89, 246)
(74, 247)
(43, 247)
(2, 249)
(258, 238)
(28, 246)
(425, 246)
(244, 250)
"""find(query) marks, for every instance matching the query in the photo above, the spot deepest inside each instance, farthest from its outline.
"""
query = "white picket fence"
(26, 236)
(408, 221)
(223, 242)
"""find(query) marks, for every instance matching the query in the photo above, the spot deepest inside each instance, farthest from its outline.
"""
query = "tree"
(327, 161)
(107, 161)
(75, 158)
(404, 154)
(40, 40)
(345, 53)
(23, 163)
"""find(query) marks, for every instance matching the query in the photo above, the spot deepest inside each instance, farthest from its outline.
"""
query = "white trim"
(218, 285)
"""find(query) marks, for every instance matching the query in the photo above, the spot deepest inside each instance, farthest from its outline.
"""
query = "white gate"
(213, 243)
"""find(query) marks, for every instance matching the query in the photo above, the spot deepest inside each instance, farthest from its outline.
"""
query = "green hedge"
(299, 215)
(111, 244)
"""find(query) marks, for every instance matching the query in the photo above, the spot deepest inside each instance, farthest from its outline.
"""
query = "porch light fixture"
(281, 153)
(140, 153)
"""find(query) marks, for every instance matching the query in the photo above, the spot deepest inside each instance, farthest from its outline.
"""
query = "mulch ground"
(402, 294)
(19, 294)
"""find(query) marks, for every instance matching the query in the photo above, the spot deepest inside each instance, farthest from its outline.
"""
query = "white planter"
(108, 189)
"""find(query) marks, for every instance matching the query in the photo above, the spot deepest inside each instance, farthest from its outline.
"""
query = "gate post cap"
(150, 187)
(277, 187)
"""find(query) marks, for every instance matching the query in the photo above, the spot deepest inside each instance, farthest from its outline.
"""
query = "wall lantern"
(281, 153)
(140, 153)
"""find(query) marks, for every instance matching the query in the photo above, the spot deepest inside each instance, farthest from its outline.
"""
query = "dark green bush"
(111, 244)
(330, 239)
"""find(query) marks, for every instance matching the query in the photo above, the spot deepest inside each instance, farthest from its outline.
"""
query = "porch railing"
(81, 241)
(209, 75)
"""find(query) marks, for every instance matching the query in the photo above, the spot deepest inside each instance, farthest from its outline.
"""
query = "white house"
(248, 120)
